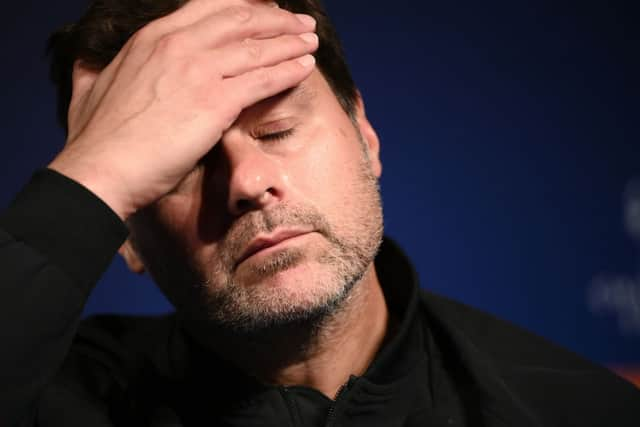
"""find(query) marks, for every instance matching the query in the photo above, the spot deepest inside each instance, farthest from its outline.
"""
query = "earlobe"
(370, 136)
(131, 257)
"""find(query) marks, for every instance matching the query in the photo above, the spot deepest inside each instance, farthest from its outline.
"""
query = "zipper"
(331, 414)
(293, 409)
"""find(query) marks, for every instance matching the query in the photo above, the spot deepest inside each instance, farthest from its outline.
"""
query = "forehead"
(301, 95)
(298, 99)
(304, 93)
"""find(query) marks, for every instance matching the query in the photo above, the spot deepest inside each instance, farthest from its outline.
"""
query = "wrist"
(98, 181)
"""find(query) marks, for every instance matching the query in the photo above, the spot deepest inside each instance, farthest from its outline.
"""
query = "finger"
(193, 11)
(139, 47)
(257, 85)
(82, 81)
(187, 14)
(239, 23)
(239, 58)
(104, 77)
(142, 43)
(223, 27)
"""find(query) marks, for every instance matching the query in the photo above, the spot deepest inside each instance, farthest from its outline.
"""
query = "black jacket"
(447, 364)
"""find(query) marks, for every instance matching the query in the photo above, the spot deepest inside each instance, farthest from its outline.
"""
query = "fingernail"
(307, 20)
(310, 38)
(307, 61)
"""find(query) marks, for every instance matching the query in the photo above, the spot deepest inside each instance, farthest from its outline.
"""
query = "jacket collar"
(485, 394)
(429, 372)
(387, 388)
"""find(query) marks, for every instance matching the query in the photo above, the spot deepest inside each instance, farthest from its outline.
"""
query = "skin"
(199, 181)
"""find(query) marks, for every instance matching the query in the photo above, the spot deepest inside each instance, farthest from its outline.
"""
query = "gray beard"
(230, 317)
(248, 311)
(210, 300)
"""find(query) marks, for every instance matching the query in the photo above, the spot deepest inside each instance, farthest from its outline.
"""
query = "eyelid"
(274, 128)
(276, 136)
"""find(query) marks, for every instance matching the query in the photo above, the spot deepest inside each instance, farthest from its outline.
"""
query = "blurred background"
(510, 149)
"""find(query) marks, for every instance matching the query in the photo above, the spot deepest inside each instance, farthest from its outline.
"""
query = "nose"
(256, 179)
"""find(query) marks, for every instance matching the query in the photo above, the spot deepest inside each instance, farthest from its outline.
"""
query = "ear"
(370, 136)
(131, 257)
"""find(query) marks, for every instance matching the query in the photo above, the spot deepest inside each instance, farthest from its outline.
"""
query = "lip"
(262, 241)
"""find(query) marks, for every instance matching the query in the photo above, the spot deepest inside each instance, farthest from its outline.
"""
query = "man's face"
(277, 223)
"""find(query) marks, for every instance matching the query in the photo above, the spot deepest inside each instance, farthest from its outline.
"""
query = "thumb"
(82, 80)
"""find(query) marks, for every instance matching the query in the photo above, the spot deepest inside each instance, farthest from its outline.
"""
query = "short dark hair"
(107, 25)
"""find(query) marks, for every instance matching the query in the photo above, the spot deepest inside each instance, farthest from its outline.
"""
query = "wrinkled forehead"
(298, 99)
(303, 94)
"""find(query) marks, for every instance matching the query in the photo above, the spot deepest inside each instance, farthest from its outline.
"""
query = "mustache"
(248, 226)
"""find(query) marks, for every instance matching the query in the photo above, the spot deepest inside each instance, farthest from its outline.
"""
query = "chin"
(304, 293)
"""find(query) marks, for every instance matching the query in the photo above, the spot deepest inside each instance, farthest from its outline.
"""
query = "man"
(247, 180)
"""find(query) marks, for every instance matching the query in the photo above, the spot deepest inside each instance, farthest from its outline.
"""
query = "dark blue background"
(508, 137)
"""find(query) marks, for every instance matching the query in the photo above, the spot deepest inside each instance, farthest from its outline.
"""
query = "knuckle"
(240, 14)
(150, 31)
(198, 71)
(192, 69)
(140, 37)
(265, 78)
(253, 50)
(297, 43)
(227, 113)
(171, 43)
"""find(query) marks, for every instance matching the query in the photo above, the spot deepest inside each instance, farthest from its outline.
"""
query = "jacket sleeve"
(56, 240)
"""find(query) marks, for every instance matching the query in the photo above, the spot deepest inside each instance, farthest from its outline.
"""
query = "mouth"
(264, 242)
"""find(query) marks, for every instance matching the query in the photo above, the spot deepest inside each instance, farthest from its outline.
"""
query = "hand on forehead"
(194, 10)
(249, 19)
(183, 77)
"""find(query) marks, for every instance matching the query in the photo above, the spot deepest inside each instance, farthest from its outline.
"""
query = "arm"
(56, 239)
(135, 130)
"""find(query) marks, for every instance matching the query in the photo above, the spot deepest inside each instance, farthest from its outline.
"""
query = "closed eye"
(276, 136)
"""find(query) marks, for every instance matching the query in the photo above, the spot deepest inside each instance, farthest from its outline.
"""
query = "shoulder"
(121, 344)
(497, 338)
(554, 383)
(108, 354)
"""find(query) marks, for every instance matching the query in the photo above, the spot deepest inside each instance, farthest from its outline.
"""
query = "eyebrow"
(303, 93)
(300, 95)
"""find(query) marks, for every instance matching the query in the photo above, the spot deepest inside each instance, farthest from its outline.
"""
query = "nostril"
(245, 204)
(270, 192)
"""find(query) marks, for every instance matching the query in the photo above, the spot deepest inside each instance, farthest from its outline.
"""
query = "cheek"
(195, 214)
(175, 224)
(175, 213)
(328, 173)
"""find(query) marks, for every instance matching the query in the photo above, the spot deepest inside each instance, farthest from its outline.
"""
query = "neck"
(322, 356)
